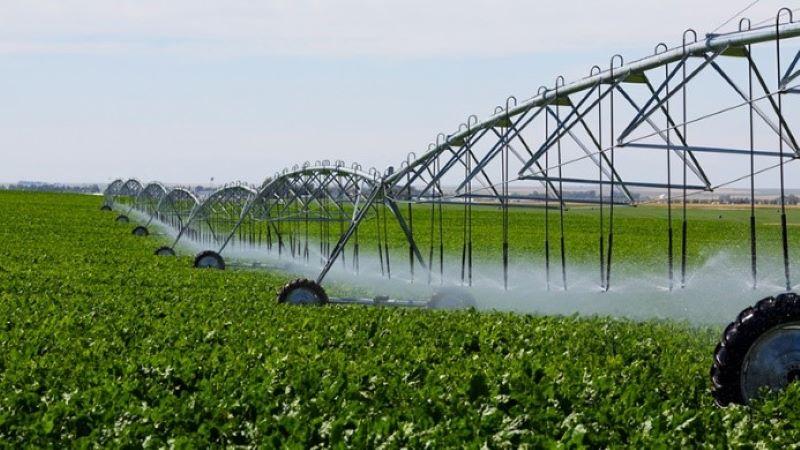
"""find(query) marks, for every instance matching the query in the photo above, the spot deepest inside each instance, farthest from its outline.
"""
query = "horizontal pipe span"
(693, 148)
(536, 198)
(710, 43)
(310, 219)
(607, 182)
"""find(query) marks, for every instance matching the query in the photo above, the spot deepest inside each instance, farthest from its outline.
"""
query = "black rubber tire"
(452, 298)
(122, 218)
(303, 283)
(219, 264)
(739, 336)
(105, 208)
(140, 231)
(165, 251)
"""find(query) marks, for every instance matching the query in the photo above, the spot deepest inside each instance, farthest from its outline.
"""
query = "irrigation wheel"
(122, 218)
(165, 251)
(759, 350)
(452, 298)
(302, 291)
(209, 259)
(140, 231)
(105, 208)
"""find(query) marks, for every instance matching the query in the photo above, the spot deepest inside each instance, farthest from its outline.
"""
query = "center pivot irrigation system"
(664, 122)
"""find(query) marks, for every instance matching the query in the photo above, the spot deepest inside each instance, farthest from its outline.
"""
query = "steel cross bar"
(322, 193)
(466, 148)
(417, 169)
(711, 43)
(789, 139)
(336, 201)
(409, 236)
(514, 130)
(654, 96)
(421, 164)
(344, 188)
(522, 160)
(245, 210)
(561, 128)
(659, 101)
(605, 182)
(789, 76)
(560, 131)
(538, 166)
(590, 154)
(203, 207)
(530, 197)
(295, 196)
(431, 155)
(436, 175)
(691, 162)
(486, 182)
(358, 216)
(321, 188)
(700, 149)
(298, 218)
(457, 158)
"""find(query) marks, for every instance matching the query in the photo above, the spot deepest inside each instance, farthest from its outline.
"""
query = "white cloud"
(404, 29)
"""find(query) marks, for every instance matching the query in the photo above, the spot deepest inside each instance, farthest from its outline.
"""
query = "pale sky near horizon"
(182, 91)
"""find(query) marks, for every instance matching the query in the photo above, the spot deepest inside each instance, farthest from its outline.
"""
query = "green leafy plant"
(104, 344)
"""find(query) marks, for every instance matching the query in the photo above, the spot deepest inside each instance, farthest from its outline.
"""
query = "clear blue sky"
(182, 91)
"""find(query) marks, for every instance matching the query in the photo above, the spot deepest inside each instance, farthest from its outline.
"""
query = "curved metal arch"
(174, 198)
(114, 187)
(301, 186)
(128, 191)
(223, 201)
(289, 185)
(175, 207)
(154, 189)
(503, 129)
(111, 191)
(150, 197)
(308, 193)
(131, 188)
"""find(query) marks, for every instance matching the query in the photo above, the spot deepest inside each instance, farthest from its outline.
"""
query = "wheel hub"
(165, 251)
(302, 296)
(207, 261)
(773, 361)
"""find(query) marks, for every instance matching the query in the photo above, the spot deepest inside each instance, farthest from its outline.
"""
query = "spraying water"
(716, 290)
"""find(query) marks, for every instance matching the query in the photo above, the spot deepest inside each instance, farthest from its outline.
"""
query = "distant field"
(104, 344)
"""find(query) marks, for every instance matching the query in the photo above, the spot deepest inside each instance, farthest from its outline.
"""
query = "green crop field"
(103, 344)
(640, 239)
